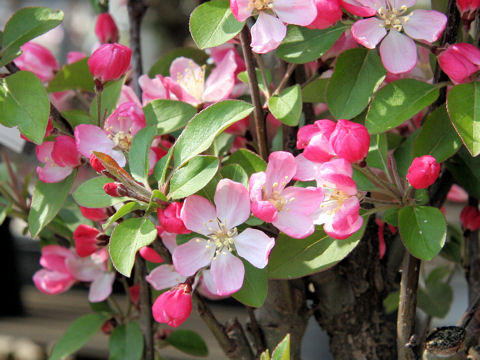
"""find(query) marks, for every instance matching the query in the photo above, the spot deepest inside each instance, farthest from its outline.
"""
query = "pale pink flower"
(339, 212)
(128, 95)
(39, 60)
(344, 42)
(155, 88)
(398, 51)
(164, 277)
(60, 158)
(457, 194)
(288, 208)
(269, 30)
(187, 80)
(460, 61)
(219, 224)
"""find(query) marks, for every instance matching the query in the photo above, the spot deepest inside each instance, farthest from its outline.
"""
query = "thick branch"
(258, 113)
(136, 11)
(146, 318)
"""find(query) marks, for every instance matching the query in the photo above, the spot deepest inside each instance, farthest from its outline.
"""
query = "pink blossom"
(85, 238)
(218, 223)
(174, 306)
(328, 13)
(315, 140)
(423, 172)
(128, 95)
(457, 194)
(54, 278)
(106, 29)
(109, 62)
(60, 158)
(170, 220)
(468, 9)
(460, 61)
(187, 80)
(470, 218)
(339, 212)
(288, 208)
(269, 30)
(74, 56)
(150, 255)
(164, 277)
(398, 51)
(344, 42)
(155, 88)
(350, 141)
(39, 60)
(95, 214)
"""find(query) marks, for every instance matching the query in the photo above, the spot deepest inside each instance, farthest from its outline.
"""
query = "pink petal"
(51, 173)
(44, 151)
(298, 12)
(256, 184)
(54, 257)
(193, 255)
(368, 32)
(338, 182)
(346, 221)
(319, 149)
(356, 8)
(199, 215)
(241, 9)
(425, 25)
(91, 138)
(302, 200)
(64, 152)
(227, 272)
(254, 246)
(85, 238)
(221, 80)
(306, 169)
(206, 286)
(179, 92)
(267, 33)
(232, 202)
(152, 88)
(101, 287)
(150, 255)
(373, 4)
(169, 240)
(398, 52)
(52, 282)
(336, 166)
(296, 225)
(84, 269)
(281, 168)
(397, 4)
(164, 276)
(264, 210)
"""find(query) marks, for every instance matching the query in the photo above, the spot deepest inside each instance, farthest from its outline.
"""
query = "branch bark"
(146, 317)
(136, 12)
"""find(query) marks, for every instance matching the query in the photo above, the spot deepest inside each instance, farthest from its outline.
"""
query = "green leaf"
(213, 24)
(435, 299)
(24, 25)
(243, 76)
(5, 208)
(124, 210)
(404, 154)
(168, 115)
(282, 351)
(193, 176)
(377, 153)
(437, 137)
(463, 104)
(91, 194)
(188, 341)
(127, 238)
(362, 181)
(73, 76)
(397, 102)
(161, 167)
(255, 286)
(19, 107)
(78, 335)
(138, 154)
(110, 96)
(287, 106)
(126, 342)
(423, 230)
(293, 258)
(358, 73)
(222, 144)
(248, 160)
(236, 173)
(302, 45)
(315, 91)
(76, 117)
(200, 132)
(47, 201)
(390, 216)
(162, 65)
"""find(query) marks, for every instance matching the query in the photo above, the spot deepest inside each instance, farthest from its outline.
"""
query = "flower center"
(222, 237)
(260, 5)
(336, 198)
(393, 18)
(193, 81)
(122, 140)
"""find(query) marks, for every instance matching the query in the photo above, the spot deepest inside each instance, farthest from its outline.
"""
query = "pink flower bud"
(328, 13)
(108, 326)
(39, 60)
(96, 164)
(315, 140)
(134, 291)
(423, 172)
(112, 189)
(94, 214)
(74, 56)
(468, 8)
(350, 141)
(174, 306)
(85, 240)
(150, 255)
(65, 152)
(460, 61)
(170, 219)
(109, 62)
(470, 218)
(106, 29)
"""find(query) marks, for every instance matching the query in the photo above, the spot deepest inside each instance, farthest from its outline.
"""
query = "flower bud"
(94, 214)
(39, 60)
(170, 219)
(85, 240)
(460, 61)
(314, 139)
(328, 13)
(106, 29)
(150, 255)
(350, 141)
(109, 62)
(423, 172)
(468, 9)
(174, 306)
(96, 164)
(114, 189)
(470, 218)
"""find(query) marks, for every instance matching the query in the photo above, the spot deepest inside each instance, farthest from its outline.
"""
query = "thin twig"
(260, 64)
(136, 11)
(258, 114)
(256, 331)
(285, 79)
(146, 317)
(14, 184)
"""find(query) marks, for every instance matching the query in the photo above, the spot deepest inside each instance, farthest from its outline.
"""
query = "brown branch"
(258, 113)
(136, 12)
(146, 318)
(256, 332)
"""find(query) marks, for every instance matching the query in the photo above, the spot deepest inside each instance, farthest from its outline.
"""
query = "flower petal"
(298, 12)
(346, 221)
(306, 169)
(368, 32)
(221, 80)
(267, 33)
(51, 173)
(227, 272)
(52, 282)
(254, 246)
(193, 255)
(199, 215)
(164, 276)
(232, 202)
(293, 224)
(101, 287)
(241, 9)
(302, 200)
(398, 52)
(280, 170)
(425, 25)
